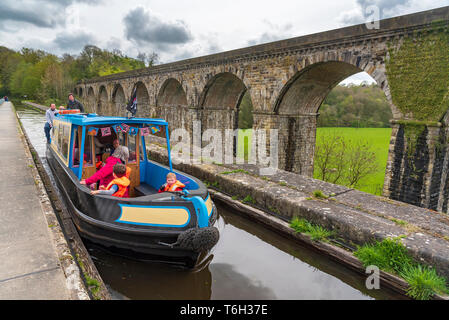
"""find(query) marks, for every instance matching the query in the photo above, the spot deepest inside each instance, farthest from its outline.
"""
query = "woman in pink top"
(104, 175)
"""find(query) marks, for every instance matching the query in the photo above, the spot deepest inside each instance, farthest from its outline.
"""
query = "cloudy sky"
(181, 29)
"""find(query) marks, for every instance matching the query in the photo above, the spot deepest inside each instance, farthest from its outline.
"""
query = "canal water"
(249, 261)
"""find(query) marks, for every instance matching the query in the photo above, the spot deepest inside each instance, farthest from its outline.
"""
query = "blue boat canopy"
(81, 125)
(94, 119)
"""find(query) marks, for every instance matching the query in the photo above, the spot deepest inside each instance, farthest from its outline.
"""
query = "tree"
(340, 160)
(32, 56)
(330, 158)
(355, 106)
(44, 76)
(53, 82)
(148, 59)
(9, 62)
(361, 161)
(246, 112)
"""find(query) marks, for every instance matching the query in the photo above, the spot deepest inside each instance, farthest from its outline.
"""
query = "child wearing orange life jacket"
(119, 187)
(172, 184)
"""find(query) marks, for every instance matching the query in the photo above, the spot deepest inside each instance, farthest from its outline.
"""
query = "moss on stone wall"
(418, 74)
(412, 131)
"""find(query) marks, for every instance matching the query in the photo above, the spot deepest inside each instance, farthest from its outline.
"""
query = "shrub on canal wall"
(315, 232)
(391, 256)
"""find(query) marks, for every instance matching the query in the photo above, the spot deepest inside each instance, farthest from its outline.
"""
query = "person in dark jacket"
(74, 104)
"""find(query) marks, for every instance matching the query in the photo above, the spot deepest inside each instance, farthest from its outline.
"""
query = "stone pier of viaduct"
(408, 57)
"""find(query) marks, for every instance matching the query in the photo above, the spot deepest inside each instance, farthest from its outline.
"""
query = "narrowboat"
(174, 227)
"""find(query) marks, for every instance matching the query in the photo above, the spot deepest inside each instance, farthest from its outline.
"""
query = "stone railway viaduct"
(287, 81)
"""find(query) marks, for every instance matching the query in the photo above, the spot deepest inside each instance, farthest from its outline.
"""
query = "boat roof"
(94, 119)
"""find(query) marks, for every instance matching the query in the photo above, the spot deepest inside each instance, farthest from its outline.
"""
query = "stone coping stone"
(430, 221)
(301, 183)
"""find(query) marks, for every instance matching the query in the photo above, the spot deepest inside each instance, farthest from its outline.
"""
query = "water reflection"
(252, 263)
(138, 280)
(248, 262)
(230, 284)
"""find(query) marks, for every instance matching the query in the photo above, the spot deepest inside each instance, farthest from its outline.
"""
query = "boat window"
(76, 152)
(121, 138)
(54, 135)
(132, 149)
(141, 149)
(156, 137)
(65, 141)
(104, 143)
(88, 151)
(60, 139)
(60, 135)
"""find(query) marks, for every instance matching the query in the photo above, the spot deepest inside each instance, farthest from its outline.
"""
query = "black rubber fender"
(198, 239)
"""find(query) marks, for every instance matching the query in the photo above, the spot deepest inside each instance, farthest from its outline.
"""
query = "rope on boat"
(198, 239)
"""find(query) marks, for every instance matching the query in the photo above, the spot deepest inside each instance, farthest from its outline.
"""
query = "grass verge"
(391, 256)
(315, 232)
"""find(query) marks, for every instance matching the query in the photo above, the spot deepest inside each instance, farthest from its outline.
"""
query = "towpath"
(31, 266)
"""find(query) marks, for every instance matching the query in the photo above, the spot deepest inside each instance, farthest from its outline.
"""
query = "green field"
(378, 138)
(244, 144)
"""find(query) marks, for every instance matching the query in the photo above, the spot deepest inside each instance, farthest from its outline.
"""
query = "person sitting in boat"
(115, 145)
(109, 149)
(172, 184)
(105, 174)
(119, 187)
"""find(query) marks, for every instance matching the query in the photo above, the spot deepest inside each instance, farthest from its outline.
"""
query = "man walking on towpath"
(49, 116)
(74, 104)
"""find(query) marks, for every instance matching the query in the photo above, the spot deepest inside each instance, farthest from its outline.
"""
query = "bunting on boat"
(92, 131)
(125, 127)
(155, 129)
(133, 131)
(117, 128)
(106, 131)
(144, 131)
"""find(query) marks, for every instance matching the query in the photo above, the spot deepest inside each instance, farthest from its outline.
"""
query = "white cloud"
(275, 32)
(358, 79)
(387, 9)
(148, 30)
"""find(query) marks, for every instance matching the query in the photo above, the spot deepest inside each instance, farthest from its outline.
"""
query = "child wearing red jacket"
(104, 175)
